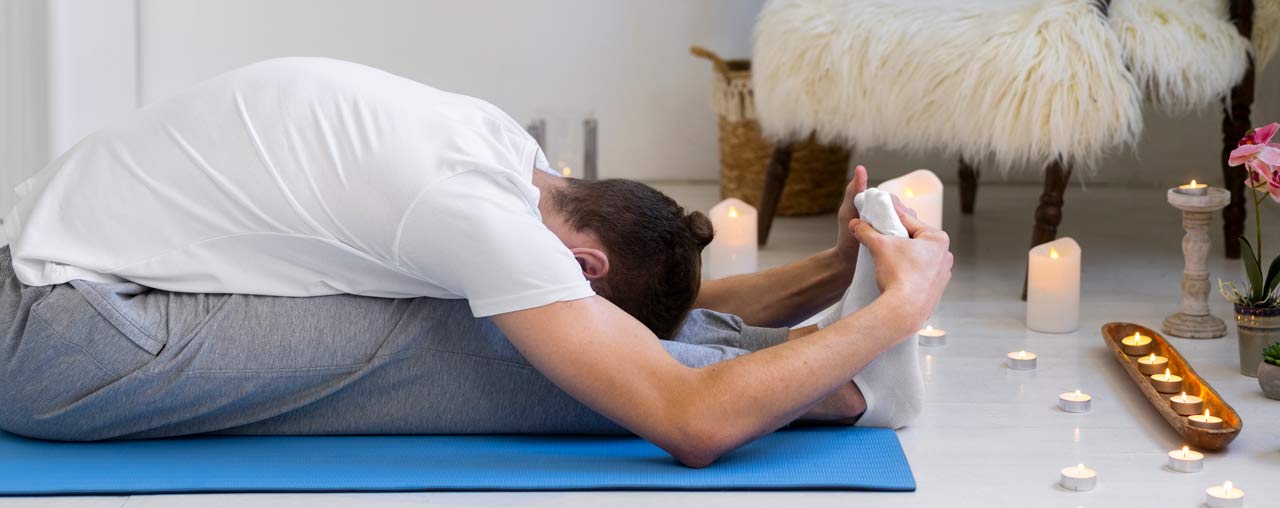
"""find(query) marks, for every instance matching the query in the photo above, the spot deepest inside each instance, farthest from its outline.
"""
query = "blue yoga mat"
(803, 459)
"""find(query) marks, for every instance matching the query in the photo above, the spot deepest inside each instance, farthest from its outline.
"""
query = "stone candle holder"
(1194, 320)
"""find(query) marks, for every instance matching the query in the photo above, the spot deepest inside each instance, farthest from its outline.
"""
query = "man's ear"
(594, 262)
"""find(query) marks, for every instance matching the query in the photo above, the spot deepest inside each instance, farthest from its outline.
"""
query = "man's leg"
(262, 365)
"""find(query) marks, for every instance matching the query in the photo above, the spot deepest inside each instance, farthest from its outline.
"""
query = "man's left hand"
(846, 245)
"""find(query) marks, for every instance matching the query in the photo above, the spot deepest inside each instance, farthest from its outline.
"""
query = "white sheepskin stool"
(1050, 84)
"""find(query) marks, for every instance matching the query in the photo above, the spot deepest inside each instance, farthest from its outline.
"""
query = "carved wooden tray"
(1192, 383)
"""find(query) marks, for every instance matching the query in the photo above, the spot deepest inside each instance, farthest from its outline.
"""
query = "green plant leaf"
(1253, 270)
(1273, 278)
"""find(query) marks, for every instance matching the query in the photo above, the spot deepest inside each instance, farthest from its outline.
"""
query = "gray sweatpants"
(89, 361)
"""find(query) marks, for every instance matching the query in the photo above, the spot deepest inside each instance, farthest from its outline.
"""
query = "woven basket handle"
(721, 66)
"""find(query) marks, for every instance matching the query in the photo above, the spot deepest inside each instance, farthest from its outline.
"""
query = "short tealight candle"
(932, 337)
(1186, 460)
(1136, 344)
(1021, 360)
(1224, 496)
(1152, 364)
(1075, 402)
(1078, 478)
(1186, 405)
(1193, 189)
(1205, 421)
(1167, 382)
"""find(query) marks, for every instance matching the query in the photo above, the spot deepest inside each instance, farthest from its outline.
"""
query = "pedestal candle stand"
(1194, 321)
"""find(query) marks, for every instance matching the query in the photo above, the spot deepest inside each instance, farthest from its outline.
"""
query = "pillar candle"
(1053, 286)
(733, 251)
(920, 190)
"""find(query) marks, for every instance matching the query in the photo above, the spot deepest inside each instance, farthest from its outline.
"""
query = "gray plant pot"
(1257, 328)
(1269, 380)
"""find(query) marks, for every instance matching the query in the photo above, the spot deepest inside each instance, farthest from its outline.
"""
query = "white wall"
(627, 61)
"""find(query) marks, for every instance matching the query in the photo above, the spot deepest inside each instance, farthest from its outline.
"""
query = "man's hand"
(916, 269)
(846, 245)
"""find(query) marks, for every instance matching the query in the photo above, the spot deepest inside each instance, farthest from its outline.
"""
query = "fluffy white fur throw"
(1186, 54)
(1022, 81)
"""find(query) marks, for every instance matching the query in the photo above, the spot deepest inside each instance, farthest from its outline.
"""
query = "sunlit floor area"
(989, 436)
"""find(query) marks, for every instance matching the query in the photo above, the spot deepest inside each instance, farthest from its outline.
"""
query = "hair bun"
(699, 225)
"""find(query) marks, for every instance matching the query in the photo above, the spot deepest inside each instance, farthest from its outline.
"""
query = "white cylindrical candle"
(1194, 189)
(1205, 421)
(1224, 496)
(1166, 382)
(1075, 402)
(1186, 460)
(733, 250)
(1152, 364)
(1136, 345)
(931, 336)
(1186, 405)
(1021, 360)
(1053, 286)
(1078, 477)
(920, 190)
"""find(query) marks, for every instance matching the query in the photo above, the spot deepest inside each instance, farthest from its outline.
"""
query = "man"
(153, 269)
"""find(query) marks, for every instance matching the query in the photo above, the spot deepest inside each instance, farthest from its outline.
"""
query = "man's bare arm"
(781, 296)
(609, 361)
(789, 294)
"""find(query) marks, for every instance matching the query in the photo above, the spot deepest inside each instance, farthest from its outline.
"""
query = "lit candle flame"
(1227, 487)
(1193, 183)
(928, 328)
(907, 192)
(1153, 358)
(1206, 414)
(1185, 451)
(1080, 468)
(1184, 396)
(1167, 374)
(733, 212)
(567, 171)
(1053, 253)
(1022, 354)
(1077, 394)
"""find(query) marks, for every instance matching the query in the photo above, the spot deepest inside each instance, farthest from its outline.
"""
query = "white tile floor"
(989, 436)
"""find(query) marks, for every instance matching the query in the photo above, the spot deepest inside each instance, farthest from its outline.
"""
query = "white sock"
(892, 384)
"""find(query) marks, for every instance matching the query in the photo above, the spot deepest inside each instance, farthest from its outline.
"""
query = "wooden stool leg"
(775, 179)
(1049, 213)
(1235, 122)
(968, 186)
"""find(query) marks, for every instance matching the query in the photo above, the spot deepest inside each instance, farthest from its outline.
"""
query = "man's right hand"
(914, 270)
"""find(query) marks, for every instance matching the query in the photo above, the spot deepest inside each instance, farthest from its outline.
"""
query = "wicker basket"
(818, 172)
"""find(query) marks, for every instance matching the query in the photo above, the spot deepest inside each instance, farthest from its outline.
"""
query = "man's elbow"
(700, 444)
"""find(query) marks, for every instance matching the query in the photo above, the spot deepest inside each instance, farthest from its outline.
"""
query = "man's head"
(639, 249)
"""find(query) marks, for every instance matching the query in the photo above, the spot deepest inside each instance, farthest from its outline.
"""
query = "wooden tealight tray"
(1192, 383)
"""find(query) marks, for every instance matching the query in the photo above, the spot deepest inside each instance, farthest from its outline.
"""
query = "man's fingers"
(859, 182)
(898, 205)
(914, 226)
(865, 234)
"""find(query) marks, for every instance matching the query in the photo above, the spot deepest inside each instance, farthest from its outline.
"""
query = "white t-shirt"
(302, 177)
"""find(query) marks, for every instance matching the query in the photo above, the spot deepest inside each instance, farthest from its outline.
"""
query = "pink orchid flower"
(1262, 157)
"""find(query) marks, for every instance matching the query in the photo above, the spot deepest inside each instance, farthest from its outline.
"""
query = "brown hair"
(654, 247)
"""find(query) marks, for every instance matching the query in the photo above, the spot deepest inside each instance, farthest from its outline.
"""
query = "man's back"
(290, 177)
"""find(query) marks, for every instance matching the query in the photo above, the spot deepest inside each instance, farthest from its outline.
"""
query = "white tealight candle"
(1186, 405)
(1151, 364)
(1205, 421)
(1078, 478)
(1136, 345)
(1166, 382)
(1186, 460)
(733, 250)
(1021, 360)
(920, 190)
(1075, 402)
(1053, 286)
(1193, 189)
(931, 336)
(1224, 496)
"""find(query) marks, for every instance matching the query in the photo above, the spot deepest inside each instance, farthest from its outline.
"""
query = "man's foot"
(892, 384)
